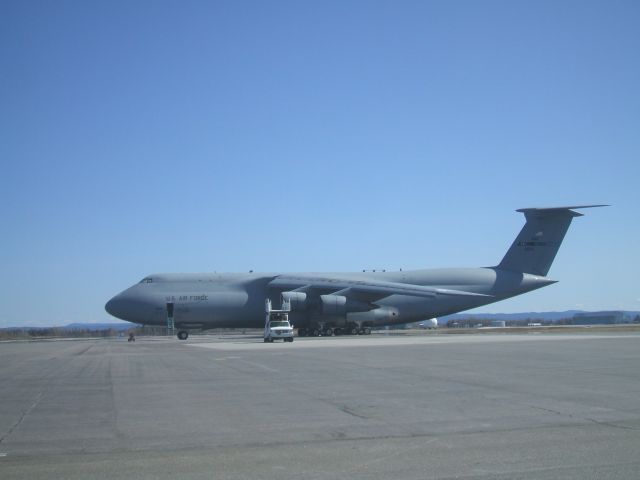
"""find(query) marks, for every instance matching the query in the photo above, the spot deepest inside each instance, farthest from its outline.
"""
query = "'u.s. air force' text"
(185, 298)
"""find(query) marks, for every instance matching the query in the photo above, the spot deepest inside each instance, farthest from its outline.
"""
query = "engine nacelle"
(297, 300)
(339, 305)
(379, 316)
(333, 304)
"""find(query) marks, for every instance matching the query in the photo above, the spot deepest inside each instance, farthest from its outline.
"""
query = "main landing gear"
(183, 335)
(317, 330)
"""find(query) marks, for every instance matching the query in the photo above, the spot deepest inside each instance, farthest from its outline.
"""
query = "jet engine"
(379, 316)
(333, 304)
(297, 300)
(337, 305)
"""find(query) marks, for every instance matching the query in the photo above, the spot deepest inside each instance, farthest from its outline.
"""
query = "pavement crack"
(112, 394)
(608, 424)
(22, 417)
(592, 420)
(555, 412)
(84, 350)
(352, 412)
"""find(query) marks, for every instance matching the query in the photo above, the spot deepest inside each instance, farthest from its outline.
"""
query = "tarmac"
(491, 406)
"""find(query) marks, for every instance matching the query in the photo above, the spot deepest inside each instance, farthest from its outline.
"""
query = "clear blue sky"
(140, 137)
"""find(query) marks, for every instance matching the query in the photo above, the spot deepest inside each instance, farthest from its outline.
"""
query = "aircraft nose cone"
(114, 307)
(132, 305)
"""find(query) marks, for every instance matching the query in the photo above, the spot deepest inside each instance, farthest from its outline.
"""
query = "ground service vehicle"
(276, 325)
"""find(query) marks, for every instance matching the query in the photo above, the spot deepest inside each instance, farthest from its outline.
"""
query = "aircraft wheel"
(183, 335)
(328, 332)
(314, 333)
(353, 331)
(366, 331)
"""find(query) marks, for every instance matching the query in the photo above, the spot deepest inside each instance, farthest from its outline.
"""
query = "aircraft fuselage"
(218, 300)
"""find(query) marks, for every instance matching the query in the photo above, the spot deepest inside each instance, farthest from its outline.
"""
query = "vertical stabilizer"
(538, 242)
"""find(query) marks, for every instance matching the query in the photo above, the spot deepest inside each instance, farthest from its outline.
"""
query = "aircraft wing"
(364, 290)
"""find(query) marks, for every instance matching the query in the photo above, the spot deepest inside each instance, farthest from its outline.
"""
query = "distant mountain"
(98, 326)
(546, 316)
(80, 326)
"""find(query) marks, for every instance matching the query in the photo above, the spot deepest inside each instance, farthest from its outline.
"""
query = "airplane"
(346, 303)
(429, 324)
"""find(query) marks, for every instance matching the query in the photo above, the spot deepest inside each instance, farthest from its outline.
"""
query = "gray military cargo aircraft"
(346, 303)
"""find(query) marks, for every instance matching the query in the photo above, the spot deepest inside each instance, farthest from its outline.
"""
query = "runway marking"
(384, 341)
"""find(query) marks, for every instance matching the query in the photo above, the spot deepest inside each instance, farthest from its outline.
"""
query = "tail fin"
(536, 245)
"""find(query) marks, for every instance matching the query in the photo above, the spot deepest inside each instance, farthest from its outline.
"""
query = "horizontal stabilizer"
(551, 210)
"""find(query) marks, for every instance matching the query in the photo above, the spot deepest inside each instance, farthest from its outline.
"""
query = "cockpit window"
(147, 280)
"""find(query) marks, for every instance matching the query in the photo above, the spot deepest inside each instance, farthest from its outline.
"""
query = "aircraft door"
(170, 320)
